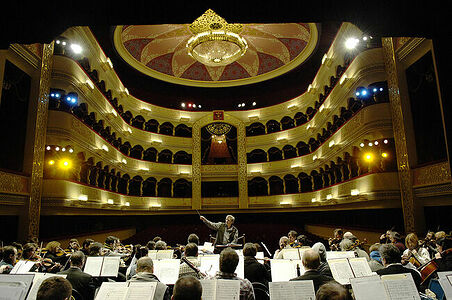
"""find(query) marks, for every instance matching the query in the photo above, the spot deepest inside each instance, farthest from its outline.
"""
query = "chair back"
(261, 292)
(76, 295)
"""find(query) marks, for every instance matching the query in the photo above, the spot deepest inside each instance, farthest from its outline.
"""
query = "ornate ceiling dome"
(163, 52)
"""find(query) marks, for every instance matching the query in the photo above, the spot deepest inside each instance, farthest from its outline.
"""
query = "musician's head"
(86, 243)
(150, 245)
(310, 259)
(338, 233)
(73, 244)
(229, 259)
(95, 249)
(444, 243)
(440, 235)
(77, 259)
(229, 220)
(193, 238)
(249, 250)
(145, 264)
(390, 254)
(53, 246)
(54, 288)
(187, 288)
(283, 241)
(430, 235)
(321, 250)
(292, 235)
(10, 255)
(29, 250)
(112, 242)
(347, 245)
(331, 291)
(191, 249)
(160, 245)
(412, 241)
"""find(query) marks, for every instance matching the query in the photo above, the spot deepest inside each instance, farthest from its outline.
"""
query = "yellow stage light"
(65, 164)
(368, 157)
(384, 154)
(51, 162)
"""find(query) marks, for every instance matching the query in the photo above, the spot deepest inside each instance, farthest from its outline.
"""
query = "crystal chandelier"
(215, 42)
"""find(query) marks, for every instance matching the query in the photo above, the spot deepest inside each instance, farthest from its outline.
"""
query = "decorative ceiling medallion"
(218, 128)
(161, 51)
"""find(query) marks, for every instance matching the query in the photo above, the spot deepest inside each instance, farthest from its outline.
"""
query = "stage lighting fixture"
(368, 157)
(351, 43)
(65, 164)
(48, 148)
(384, 154)
(76, 48)
(51, 162)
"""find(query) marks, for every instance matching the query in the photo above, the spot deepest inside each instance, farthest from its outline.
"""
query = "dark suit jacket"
(399, 269)
(80, 281)
(255, 271)
(316, 277)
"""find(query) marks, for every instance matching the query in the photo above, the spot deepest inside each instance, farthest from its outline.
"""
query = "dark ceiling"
(43, 21)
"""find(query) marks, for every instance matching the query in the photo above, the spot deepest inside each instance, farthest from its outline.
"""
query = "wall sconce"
(292, 107)
(253, 118)
(354, 192)
(331, 144)
(184, 119)
(83, 197)
(110, 201)
(329, 197)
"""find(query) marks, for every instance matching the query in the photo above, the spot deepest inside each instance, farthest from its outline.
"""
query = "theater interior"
(131, 119)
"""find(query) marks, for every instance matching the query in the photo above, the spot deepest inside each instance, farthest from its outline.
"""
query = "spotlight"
(376, 143)
(243, 104)
(189, 104)
(65, 164)
(71, 150)
(57, 148)
(351, 43)
(254, 103)
(63, 149)
(357, 94)
(48, 148)
(194, 105)
(72, 98)
(369, 157)
(375, 90)
(381, 89)
(385, 141)
(240, 105)
(182, 104)
(63, 43)
(51, 162)
(384, 154)
(58, 42)
(361, 145)
(76, 48)
(199, 105)
(370, 144)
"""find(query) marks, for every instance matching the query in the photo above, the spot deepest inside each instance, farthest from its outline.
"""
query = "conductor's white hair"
(231, 217)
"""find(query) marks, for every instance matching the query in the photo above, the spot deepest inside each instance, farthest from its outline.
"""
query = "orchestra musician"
(226, 232)
(9, 259)
(444, 256)
(414, 253)
(338, 235)
(73, 245)
(191, 254)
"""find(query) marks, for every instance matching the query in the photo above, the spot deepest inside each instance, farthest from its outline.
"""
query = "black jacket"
(255, 271)
(80, 281)
(316, 277)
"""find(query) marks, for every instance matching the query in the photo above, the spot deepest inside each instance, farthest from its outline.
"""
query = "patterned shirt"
(246, 288)
(185, 270)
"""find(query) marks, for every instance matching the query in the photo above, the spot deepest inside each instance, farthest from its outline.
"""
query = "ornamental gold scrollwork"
(405, 178)
(34, 208)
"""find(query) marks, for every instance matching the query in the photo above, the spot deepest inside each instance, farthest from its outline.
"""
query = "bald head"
(310, 259)
(187, 288)
(145, 264)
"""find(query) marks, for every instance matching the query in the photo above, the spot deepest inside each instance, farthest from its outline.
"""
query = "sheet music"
(37, 280)
(290, 253)
(240, 269)
(167, 270)
(446, 286)
(208, 289)
(110, 266)
(341, 270)
(93, 265)
(210, 264)
(15, 287)
(152, 254)
(141, 290)
(164, 254)
(284, 270)
(112, 291)
(300, 290)
(339, 254)
(22, 267)
(360, 266)
(261, 256)
(368, 288)
(400, 287)
(227, 289)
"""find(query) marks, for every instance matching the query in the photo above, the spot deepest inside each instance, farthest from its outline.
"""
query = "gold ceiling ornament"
(218, 128)
(215, 42)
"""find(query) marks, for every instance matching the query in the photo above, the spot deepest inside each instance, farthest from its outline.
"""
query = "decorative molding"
(432, 175)
(34, 207)
(405, 178)
(13, 184)
(406, 46)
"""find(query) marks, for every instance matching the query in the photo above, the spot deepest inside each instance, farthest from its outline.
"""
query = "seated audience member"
(81, 282)
(254, 270)
(55, 288)
(375, 262)
(444, 255)
(283, 244)
(85, 246)
(229, 259)
(332, 291)
(191, 254)
(349, 245)
(324, 268)
(418, 254)
(145, 273)
(311, 262)
(193, 238)
(187, 288)
(292, 235)
(9, 259)
(391, 258)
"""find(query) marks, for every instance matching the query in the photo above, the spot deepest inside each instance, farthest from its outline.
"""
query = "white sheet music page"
(208, 289)
(167, 270)
(93, 265)
(112, 291)
(360, 266)
(368, 288)
(110, 266)
(300, 290)
(37, 280)
(227, 289)
(22, 267)
(339, 254)
(341, 270)
(210, 264)
(164, 254)
(141, 290)
(283, 270)
(240, 270)
(291, 253)
(400, 287)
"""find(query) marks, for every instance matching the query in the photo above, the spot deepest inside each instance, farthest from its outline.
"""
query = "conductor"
(226, 232)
